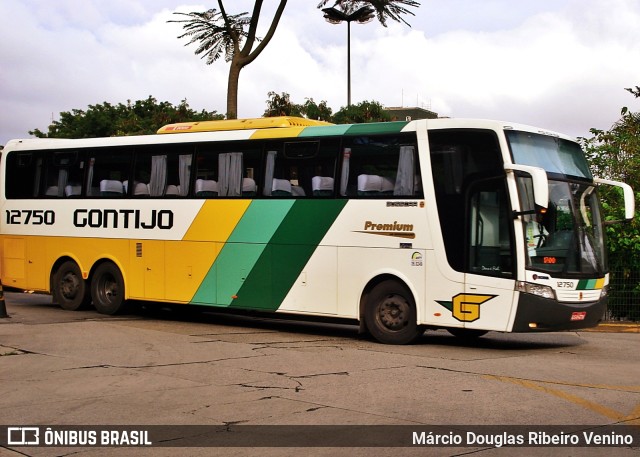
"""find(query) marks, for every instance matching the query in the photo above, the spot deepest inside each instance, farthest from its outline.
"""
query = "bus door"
(476, 225)
(490, 271)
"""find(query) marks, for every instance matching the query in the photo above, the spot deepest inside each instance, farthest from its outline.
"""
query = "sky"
(558, 64)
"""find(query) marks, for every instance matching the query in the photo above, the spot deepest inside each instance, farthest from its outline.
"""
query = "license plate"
(578, 316)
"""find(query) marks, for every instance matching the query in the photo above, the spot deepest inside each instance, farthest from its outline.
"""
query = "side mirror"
(533, 187)
(629, 201)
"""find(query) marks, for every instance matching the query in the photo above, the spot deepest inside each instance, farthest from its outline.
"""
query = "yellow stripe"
(186, 265)
(240, 124)
(216, 220)
(277, 133)
(595, 407)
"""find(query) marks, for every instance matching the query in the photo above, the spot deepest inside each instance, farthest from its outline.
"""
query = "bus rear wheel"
(107, 289)
(70, 290)
(390, 314)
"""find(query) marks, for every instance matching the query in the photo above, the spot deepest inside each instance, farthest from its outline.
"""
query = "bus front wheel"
(69, 288)
(107, 289)
(390, 314)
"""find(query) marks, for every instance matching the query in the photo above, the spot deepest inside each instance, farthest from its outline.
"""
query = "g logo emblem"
(466, 307)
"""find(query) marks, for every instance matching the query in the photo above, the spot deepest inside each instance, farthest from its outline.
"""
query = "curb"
(616, 328)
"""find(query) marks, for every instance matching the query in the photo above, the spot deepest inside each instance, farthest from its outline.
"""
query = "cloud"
(560, 64)
(581, 57)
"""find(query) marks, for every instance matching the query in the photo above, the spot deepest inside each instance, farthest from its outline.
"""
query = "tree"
(384, 9)
(220, 33)
(319, 112)
(281, 105)
(142, 117)
(363, 112)
(615, 154)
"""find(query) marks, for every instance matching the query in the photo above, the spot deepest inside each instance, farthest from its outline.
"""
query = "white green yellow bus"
(465, 225)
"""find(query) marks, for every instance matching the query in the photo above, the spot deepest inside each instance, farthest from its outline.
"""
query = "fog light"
(533, 325)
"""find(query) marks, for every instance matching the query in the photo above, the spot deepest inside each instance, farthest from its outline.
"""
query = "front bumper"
(536, 314)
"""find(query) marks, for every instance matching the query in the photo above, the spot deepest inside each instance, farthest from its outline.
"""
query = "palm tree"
(217, 33)
(385, 9)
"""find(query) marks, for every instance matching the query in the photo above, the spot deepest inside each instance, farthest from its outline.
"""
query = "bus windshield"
(553, 154)
(568, 239)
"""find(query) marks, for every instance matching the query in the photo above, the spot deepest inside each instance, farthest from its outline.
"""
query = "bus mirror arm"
(615, 222)
(540, 185)
(529, 212)
(517, 214)
(629, 201)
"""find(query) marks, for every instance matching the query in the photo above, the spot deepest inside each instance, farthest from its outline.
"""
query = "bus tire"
(70, 290)
(107, 289)
(467, 333)
(390, 314)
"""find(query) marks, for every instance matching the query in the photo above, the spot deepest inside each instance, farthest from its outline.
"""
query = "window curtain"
(344, 178)
(158, 179)
(405, 177)
(36, 187)
(230, 174)
(63, 176)
(184, 173)
(269, 172)
(90, 188)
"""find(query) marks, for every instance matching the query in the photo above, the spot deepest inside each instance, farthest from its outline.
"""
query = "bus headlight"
(535, 289)
(604, 292)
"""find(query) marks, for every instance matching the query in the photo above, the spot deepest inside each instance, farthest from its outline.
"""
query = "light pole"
(361, 16)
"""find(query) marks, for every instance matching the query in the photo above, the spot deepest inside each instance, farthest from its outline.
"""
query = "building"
(409, 113)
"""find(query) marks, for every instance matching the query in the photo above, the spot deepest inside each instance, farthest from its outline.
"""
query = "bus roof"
(266, 128)
(241, 124)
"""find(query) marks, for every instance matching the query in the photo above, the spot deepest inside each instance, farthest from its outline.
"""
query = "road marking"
(630, 419)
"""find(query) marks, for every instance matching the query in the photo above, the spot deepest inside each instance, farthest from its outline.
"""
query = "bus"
(459, 224)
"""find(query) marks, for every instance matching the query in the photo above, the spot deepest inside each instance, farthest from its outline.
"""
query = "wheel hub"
(69, 285)
(393, 312)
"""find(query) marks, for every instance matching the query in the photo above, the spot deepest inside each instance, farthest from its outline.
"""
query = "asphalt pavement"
(158, 367)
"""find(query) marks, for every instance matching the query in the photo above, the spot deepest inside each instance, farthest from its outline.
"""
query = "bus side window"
(178, 175)
(301, 168)
(490, 248)
(380, 167)
(108, 173)
(162, 171)
(228, 171)
(63, 175)
(150, 175)
(206, 184)
(24, 173)
(251, 166)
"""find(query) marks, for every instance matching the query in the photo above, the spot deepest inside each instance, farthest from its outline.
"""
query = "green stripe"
(329, 130)
(376, 128)
(371, 128)
(260, 221)
(290, 249)
(587, 284)
(241, 251)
